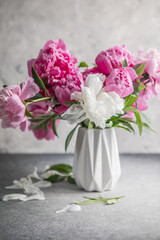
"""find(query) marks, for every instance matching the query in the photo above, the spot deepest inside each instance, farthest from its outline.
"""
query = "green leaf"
(37, 96)
(90, 198)
(83, 64)
(141, 87)
(147, 120)
(36, 119)
(124, 63)
(44, 120)
(145, 77)
(111, 201)
(69, 137)
(100, 196)
(45, 81)
(137, 115)
(90, 202)
(71, 180)
(98, 200)
(55, 178)
(39, 81)
(130, 100)
(138, 86)
(129, 109)
(128, 125)
(90, 125)
(28, 114)
(39, 125)
(129, 120)
(125, 128)
(139, 122)
(139, 68)
(69, 103)
(46, 125)
(61, 168)
(145, 125)
(148, 127)
(94, 64)
(54, 127)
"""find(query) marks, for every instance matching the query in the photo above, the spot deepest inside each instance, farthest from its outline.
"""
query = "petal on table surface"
(70, 208)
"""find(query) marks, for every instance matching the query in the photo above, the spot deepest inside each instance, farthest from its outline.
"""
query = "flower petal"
(70, 208)
(43, 184)
(75, 114)
(34, 174)
(132, 73)
(95, 82)
(29, 89)
(38, 196)
(22, 197)
(14, 196)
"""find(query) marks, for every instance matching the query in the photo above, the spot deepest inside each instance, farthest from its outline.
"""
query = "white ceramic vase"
(96, 165)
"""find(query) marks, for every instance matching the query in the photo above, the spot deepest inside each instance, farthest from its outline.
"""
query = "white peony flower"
(94, 103)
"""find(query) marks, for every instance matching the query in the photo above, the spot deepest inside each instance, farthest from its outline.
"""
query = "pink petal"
(29, 89)
(29, 65)
(132, 73)
(103, 64)
(24, 125)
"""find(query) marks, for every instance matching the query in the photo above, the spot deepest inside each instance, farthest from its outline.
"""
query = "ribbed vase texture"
(96, 165)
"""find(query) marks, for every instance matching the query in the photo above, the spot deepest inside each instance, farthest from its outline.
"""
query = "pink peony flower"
(12, 109)
(36, 109)
(59, 68)
(120, 81)
(152, 67)
(41, 134)
(112, 58)
(142, 99)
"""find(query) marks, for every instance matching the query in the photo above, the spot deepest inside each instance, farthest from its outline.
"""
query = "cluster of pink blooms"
(62, 77)
(12, 109)
(55, 64)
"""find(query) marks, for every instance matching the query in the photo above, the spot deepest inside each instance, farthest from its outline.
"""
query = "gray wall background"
(86, 26)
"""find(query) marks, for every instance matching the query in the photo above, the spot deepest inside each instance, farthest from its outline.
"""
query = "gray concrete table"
(137, 216)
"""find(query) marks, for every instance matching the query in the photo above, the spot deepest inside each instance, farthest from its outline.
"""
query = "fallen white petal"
(38, 196)
(30, 188)
(18, 184)
(14, 196)
(22, 197)
(43, 184)
(34, 174)
(28, 185)
(46, 167)
(70, 208)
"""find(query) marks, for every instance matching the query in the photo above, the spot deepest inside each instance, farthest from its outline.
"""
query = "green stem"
(37, 100)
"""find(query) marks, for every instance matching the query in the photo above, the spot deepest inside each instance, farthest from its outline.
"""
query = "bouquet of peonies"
(113, 93)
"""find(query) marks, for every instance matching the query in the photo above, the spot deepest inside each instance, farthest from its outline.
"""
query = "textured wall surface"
(86, 26)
